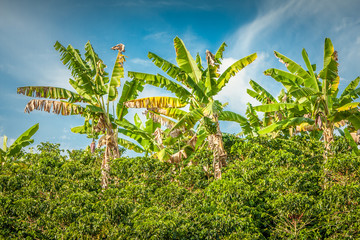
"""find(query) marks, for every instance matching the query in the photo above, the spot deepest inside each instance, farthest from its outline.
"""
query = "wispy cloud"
(139, 61)
(158, 36)
(235, 91)
(290, 26)
(253, 33)
(280, 23)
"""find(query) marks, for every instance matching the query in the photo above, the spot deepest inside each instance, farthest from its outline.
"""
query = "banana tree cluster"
(315, 104)
(195, 87)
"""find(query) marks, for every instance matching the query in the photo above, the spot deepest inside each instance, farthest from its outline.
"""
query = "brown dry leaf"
(210, 58)
(158, 137)
(175, 133)
(305, 127)
(340, 124)
(101, 125)
(120, 47)
(318, 121)
(102, 141)
(335, 56)
(282, 61)
(58, 107)
(192, 141)
(155, 102)
(177, 157)
(160, 119)
(355, 136)
(308, 115)
(92, 146)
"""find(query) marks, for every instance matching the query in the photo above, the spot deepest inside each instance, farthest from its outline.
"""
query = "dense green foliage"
(271, 189)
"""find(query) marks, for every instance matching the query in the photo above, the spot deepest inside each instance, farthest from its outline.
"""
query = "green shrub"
(271, 189)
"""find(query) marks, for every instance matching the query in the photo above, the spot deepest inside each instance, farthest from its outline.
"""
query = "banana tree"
(94, 93)
(316, 100)
(195, 87)
(7, 153)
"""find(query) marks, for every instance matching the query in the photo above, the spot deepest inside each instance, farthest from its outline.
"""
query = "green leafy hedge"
(271, 189)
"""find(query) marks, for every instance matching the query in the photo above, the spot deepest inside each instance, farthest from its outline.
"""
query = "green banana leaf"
(185, 60)
(22, 141)
(233, 69)
(285, 124)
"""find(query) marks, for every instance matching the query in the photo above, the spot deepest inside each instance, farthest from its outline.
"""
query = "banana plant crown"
(314, 96)
(192, 84)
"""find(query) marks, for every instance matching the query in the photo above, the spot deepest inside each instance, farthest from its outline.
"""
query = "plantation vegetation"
(270, 189)
(292, 173)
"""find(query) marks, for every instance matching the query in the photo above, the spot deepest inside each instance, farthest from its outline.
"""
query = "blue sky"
(28, 30)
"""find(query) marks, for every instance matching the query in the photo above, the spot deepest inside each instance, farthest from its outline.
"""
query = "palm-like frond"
(130, 91)
(86, 91)
(22, 141)
(173, 113)
(303, 92)
(311, 81)
(261, 94)
(210, 80)
(162, 82)
(350, 90)
(155, 102)
(49, 92)
(168, 123)
(274, 107)
(231, 116)
(252, 123)
(220, 51)
(289, 80)
(197, 88)
(72, 59)
(169, 68)
(189, 119)
(185, 60)
(233, 69)
(285, 124)
(348, 106)
(292, 66)
(63, 108)
(117, 74)
(130, 145)
(91, 57)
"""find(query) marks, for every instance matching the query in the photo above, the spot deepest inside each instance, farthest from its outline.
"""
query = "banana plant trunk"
(328, 134)
(216, 144)
(111, 152)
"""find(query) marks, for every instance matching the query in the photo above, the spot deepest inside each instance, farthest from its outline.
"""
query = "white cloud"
(235, 91)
